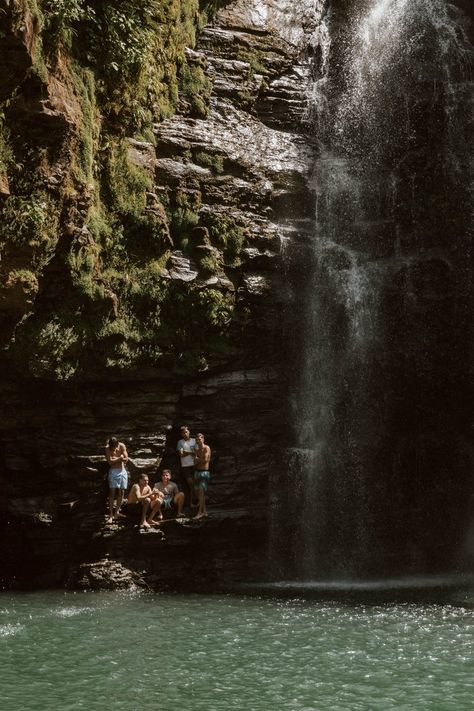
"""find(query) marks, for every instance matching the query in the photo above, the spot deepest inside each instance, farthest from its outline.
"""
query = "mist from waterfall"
(374, 407)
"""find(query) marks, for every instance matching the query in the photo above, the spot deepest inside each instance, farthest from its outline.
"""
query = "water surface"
(134, 652)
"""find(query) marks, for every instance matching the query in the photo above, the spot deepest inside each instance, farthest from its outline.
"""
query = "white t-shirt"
(188, 445)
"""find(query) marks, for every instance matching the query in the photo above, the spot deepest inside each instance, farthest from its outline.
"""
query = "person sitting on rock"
(171, 495)
(142, 494)
(202, 455)
(116, 455)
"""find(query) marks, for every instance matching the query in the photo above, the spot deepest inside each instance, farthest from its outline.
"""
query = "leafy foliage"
(124, 63)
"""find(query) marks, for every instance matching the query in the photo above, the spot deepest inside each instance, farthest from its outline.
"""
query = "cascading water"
(377, 478)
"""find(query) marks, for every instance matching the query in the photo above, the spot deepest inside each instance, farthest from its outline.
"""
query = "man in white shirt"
(185, 448)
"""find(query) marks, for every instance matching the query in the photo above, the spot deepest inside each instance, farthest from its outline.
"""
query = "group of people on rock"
(165, 495)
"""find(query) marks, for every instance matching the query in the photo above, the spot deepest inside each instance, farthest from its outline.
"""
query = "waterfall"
(377, 476)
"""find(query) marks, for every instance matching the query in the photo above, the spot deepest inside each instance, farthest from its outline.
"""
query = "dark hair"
(113, 442)
(183, 427)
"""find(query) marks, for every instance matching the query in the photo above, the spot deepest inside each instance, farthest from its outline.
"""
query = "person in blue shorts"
(116, 455)
(202, 455)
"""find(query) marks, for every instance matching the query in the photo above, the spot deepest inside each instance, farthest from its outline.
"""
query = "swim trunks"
(201, 479)
(118, 478)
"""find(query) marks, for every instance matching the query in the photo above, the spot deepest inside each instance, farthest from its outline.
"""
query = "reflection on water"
(210, 653)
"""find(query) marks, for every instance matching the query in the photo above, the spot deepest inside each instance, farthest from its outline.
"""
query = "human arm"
(145, 494)
(123, 452)
(111, 457)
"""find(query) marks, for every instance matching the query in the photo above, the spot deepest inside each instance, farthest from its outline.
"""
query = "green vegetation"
(255, 60)
(55, 351)
(136, 51)
(107, 301)
(209, 264)
(6, 153)
(213, 161)
(195, 88)
(226, 234)
(190, 343)
(88, 125)
(183, 211)
(30, 222)
(25, 278)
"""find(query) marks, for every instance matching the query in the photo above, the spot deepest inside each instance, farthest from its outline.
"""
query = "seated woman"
(150, 501)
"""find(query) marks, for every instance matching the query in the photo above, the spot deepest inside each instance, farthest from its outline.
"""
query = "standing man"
(116, 455)
(185, 448)
(171, 496)
(141, 493)
(201, 473)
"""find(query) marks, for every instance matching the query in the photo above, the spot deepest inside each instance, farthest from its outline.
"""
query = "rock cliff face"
(229, 187)
(208, 218)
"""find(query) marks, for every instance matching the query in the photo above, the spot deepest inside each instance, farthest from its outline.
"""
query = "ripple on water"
(11, 630)
(70, 611)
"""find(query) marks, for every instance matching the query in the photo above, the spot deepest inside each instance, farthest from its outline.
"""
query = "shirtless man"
(141, 493)
(170, 494)
(202, 455)
(116, 455)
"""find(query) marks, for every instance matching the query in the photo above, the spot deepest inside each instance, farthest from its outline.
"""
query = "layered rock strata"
(249, 161)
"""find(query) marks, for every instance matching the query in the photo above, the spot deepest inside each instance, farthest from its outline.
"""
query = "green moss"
(246, 99)
(51, 348)
(226, 234)
(25, 278)
(195, 89)
(209, 264)
(192, 344)
(254, 59)
(6, 152)
(213, 161)
(183, 211)
(124, 64)
(124, 184)
(30, 222)
(143, 231)
(61, 19)
(88, 126)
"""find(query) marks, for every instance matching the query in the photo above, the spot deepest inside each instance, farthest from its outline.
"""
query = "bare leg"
(155, 508)
(202, 503)
(145, 507)
(111, 505)
(120, 493)
(190, 484)
(179, 501)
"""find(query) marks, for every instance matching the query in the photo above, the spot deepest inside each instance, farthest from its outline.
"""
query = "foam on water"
(70, 611)
(10, 630)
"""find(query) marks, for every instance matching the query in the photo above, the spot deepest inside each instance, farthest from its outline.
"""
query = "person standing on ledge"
(185, 448)
(116, 455)
(201, 474)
